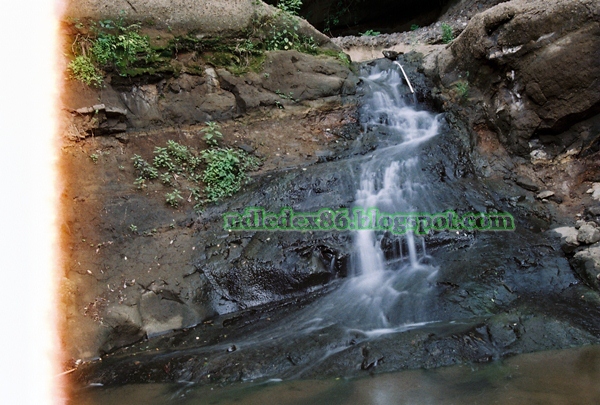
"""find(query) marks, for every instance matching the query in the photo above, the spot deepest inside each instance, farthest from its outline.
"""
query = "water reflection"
(554, 377)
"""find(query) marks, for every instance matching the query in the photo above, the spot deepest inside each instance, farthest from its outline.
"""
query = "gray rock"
(115, 111)
(392, 55)
(588, 234)
(595, 211)
(568, 238)
(526, 183)
(544, 194)
(161, 315)
(246, 148)
(587, 264)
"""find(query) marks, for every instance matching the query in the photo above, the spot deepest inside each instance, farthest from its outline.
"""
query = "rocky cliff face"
(531, 66)
(520, 87)
(133, 266)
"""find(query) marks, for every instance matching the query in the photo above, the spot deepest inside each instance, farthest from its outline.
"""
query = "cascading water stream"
(387, 291)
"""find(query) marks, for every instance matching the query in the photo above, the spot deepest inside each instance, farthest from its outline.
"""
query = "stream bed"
(391, 301)
(567, 376)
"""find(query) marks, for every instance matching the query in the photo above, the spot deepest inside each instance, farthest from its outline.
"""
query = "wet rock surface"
(495, 293)
(183, 299)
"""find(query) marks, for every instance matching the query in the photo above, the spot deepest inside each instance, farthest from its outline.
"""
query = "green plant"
(462, 88)
(173, 198)
(286, 96)
(290, 6)
(195, 192)
(94, 157)
(82, 68)
(108, 44)
(143, 168)
(447, 33)
(119, 45)
(414, 27)
(344, 58)
(180, 153)
(225, 171)
(370, 33)
(140, 183)
(162, 160)
(166, 179)
(133, 228)
(212, 133)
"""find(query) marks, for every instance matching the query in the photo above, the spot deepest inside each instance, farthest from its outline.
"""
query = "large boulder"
(532, 64)
(222, 18)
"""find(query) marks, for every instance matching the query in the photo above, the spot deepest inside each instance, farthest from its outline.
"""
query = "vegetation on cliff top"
(116, 47)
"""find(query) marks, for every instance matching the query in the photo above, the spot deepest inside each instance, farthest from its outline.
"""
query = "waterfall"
(391, 291)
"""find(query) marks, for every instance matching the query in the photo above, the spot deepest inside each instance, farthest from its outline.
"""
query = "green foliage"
(222, 170)
(344, 58)
(212, 133)
(109, 45)
(162, 159)
(414, 27)
(447, 33)
(94, 157)
(290, 6)
(173, 198)
(288, 38)
(119, 45)
(370, 33)
(82, 68)
(167, 179)
(140, 183)
(225, 171)
(284, 96)
(282, 33)
(133, 228)
(144, 169)
(462, 89)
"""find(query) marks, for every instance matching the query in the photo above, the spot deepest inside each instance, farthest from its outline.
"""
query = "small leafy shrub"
(221, 170)
(119, 45)
(462, 89)
(344, 58)
(144, 169)
(370, 33)
(173, 198)
(290, 6)
(414, 27)
(212, 133)
(108, 45)
(447, 33)
(288, 38)
(94, 157)
(82, 68)
(225, 171)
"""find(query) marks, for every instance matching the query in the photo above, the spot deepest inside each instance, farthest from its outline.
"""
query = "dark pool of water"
(556, 377)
